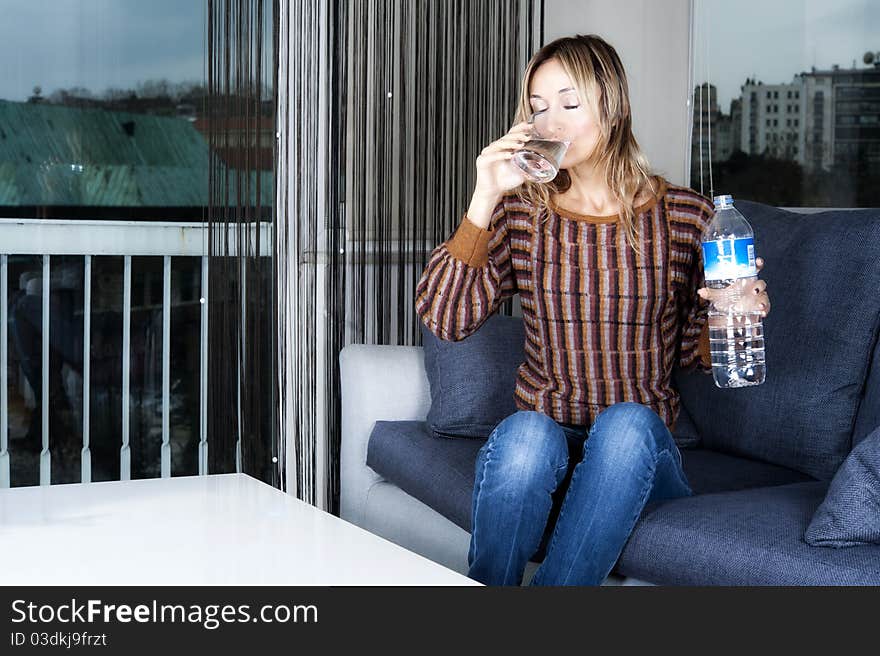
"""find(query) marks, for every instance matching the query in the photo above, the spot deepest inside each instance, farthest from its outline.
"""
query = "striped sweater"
(604, 324)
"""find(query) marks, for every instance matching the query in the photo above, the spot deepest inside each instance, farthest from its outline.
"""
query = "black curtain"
(239, 112)
(383, 106)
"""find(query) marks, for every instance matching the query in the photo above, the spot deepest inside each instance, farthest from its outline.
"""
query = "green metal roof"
(56, 155)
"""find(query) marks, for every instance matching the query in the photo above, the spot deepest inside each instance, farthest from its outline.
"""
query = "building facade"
(771, 120)
(822, 119)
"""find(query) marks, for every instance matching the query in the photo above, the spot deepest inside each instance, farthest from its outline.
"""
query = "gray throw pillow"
(472, 380)
(850, 513)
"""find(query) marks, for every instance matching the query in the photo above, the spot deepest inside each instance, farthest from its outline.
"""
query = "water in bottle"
(736, 337)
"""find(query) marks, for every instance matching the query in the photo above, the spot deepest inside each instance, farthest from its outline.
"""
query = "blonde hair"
(597, 74)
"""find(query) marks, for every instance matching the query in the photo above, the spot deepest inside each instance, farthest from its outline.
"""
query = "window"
(816, 54)
(102, 118)
(858, 91)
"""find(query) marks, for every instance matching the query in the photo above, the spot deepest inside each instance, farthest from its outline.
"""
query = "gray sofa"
(760, 459)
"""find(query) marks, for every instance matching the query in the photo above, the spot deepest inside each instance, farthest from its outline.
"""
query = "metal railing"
(48, 238)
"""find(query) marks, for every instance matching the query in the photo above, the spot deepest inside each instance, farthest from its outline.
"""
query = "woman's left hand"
(753, 295)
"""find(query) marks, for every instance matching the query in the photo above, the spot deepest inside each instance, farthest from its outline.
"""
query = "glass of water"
(541, 156)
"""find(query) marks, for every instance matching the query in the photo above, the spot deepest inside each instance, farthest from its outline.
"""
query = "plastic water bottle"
(736, 338)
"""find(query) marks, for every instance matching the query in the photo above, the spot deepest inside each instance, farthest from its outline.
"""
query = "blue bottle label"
(728, 259)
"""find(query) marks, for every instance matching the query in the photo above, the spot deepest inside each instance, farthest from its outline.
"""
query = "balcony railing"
(48, 238)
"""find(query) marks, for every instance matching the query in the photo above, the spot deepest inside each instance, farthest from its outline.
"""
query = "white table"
(226, 529)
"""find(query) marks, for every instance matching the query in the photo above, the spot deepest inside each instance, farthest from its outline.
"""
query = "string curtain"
(388, 104)
(239, 110)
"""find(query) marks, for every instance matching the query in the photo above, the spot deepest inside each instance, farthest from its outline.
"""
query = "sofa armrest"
(386, 383)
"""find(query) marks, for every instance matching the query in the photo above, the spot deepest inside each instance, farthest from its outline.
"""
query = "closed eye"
(541, 111)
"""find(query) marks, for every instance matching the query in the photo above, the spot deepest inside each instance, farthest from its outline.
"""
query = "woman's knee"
(629, 428)
(528, 443)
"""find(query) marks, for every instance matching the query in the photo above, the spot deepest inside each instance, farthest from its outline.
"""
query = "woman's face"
(561, 112)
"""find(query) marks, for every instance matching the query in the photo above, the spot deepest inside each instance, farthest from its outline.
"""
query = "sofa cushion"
(472, 381)
(685, 432)
(822, 272)
(749, 537)
(712, 471)
(868, 417)
(439, 472)
(850, 513)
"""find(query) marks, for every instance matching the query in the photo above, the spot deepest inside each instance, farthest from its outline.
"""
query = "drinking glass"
(541, 156)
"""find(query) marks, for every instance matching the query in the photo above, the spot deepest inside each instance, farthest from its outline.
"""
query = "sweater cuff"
(470, 243)
(703, 348)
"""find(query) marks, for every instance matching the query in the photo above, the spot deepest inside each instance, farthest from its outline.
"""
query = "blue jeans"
(522, 475)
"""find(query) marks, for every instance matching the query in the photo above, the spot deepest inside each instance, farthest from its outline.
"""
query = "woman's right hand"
(496, 173)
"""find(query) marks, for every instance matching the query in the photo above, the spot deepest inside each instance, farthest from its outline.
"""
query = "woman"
(607, 260)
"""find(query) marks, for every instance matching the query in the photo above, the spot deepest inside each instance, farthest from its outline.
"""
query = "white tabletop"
(226, 529)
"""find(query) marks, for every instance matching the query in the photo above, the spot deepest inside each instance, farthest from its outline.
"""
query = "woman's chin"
(573, 162)
(570, 159)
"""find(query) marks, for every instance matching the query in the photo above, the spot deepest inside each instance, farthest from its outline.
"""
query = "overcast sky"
(772, 40)
(98, 44)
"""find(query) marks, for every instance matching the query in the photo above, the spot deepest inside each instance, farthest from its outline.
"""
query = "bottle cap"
(722, 202)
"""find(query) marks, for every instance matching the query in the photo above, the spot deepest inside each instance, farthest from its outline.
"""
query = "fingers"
(760, 298)
(760, 289)
(745, 286)
(520, 128)
(757, 302)
(515, 138)
(496, 156)
(505, 143)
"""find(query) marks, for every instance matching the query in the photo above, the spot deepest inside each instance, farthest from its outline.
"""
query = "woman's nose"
(556, 129)
(555, 125)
